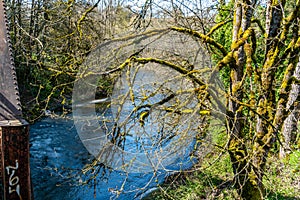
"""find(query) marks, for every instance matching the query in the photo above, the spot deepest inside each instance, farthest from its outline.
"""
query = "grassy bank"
(213, 180)
(212, 177)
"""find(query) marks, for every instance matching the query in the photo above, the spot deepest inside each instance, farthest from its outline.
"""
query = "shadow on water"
(57, 158)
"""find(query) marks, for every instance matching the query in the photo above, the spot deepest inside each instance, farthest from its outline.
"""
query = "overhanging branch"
(203, 37)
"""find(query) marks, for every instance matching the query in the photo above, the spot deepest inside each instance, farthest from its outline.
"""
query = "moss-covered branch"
(217, 26)
(203, 37)
(287, 22)
(245, 36)
(82, 18)
(171, 65)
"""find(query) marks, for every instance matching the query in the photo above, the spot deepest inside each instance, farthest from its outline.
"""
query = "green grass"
(212, 179)
(281, 181)
(282, 178)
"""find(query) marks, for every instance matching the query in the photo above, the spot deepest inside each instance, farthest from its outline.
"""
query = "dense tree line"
(51, 39)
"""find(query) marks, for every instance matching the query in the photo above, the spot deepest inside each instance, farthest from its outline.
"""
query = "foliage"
(223, 36)
(50, 41)
(212, 179)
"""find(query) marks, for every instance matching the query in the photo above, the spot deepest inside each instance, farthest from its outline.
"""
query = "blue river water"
(58, 157)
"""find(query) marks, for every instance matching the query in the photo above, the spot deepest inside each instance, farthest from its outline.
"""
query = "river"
(58, 157)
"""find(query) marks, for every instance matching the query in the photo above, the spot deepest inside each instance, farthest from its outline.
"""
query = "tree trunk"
(290, 124)
(248, 184)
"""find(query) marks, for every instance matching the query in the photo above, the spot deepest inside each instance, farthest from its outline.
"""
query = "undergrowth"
(212, 178)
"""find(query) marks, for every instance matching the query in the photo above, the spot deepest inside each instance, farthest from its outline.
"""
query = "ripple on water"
(57, 155)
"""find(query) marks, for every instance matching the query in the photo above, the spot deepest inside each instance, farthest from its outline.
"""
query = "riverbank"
(213, 180)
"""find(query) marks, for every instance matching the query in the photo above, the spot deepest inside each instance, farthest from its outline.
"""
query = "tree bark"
(290, 124)
(248, 185)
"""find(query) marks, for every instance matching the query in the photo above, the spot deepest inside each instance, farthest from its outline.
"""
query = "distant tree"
(51, 39)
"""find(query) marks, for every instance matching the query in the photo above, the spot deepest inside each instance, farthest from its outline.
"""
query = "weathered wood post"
(14, 131)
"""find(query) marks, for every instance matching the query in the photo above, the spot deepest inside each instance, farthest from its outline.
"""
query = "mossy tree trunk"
(247, 183)
(253, 134)
(289, 128)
